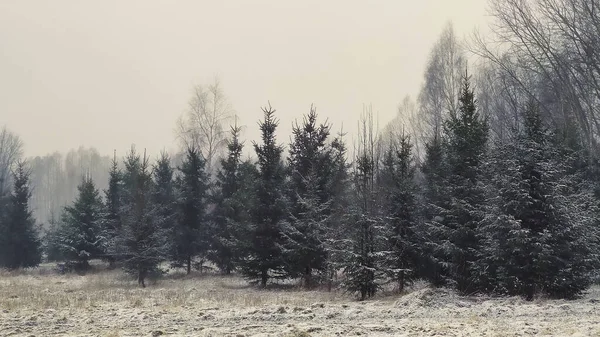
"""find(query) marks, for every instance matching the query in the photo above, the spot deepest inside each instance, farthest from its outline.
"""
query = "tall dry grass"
(43, 288)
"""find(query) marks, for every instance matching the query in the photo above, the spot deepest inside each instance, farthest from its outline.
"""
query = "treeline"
(54, 179)
(515, 218)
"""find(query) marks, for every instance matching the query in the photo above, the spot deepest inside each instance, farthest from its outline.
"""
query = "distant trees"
(442, 82)
(55, 177)
(11, 151)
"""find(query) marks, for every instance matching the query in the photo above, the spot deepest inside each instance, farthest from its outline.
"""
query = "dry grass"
(42, 289)
(108, 303)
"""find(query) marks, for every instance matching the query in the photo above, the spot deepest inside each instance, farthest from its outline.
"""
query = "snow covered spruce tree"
(455, 227)
(111, 219)
(339, 186)
(191, 235)
(396, 179)
(52, 240)
(263, 258)
(20, 246)
(436, 199)
(80, 232)
(362, 263)
(232, 206)
(164, 197)
(311, 170)
(141, 243)
(542, 231)
(4, 206)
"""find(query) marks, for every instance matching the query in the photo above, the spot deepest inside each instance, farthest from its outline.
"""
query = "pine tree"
(401, 210)
(311, 170)
(541, 235)
(141, 242)
(191, 234)
(264, 257)
(20, 246)
(111, 222)
(80, 233)
(230, 211)
(466, 137)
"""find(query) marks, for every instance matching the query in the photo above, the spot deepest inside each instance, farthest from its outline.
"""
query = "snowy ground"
(37, 303)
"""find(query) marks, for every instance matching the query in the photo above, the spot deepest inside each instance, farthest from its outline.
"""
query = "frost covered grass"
(42, 289)
(108, 303)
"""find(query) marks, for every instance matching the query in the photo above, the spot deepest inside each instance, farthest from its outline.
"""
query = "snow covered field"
(38, 303)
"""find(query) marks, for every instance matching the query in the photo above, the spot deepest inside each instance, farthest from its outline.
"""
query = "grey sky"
(111, 73)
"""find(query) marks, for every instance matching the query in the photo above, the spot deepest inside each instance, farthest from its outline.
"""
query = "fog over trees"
(487, 182)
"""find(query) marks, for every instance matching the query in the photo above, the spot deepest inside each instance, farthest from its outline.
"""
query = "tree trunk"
(308, 277)
(141, 277)
(263, 278)
(401, 282)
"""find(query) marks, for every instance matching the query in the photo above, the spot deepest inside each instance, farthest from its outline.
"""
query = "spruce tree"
(311, 170)
(305, 246)
(264, 258)
(362, 265)
(80, 233)
(111, 222)
(52, 240)
(401, 212)
(339, 187)
(4, 207)
(230, 211)
(192, 230)
(541, 235)
(20, 246)
(142, 242)
(466, 137)
(164, 198)
(436, 200)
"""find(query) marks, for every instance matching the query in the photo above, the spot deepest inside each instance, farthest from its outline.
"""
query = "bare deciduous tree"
(556, 45)
(439, 94)
(11, 151)
(203, 125)
(407, 121)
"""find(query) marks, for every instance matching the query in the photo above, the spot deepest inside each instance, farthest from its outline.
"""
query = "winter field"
(107, 303)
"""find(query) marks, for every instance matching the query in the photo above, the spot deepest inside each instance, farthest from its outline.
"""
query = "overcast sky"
(112, 73)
